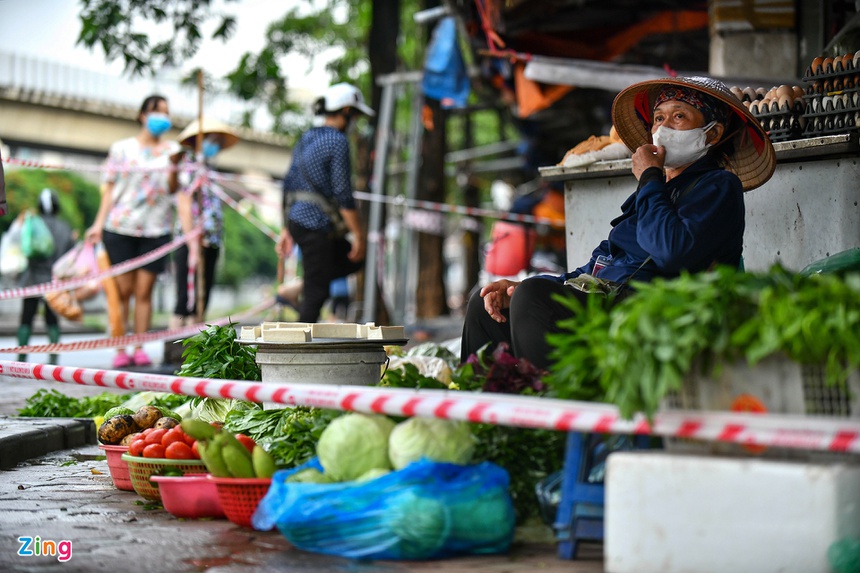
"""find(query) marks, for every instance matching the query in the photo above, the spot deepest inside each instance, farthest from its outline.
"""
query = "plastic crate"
(191, 496)
(141, 469)
(117, 466)
(240, 497)
(781, 386)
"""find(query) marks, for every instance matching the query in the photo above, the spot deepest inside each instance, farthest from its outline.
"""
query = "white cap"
(344, 95)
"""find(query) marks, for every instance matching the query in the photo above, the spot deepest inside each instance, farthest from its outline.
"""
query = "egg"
(816, 64)
(847, 60)
(749, 94)
(856, 61)
(827, 65)
(762, 93)
(798, 92)
(785, 103)
(737, 92)
(753, 105)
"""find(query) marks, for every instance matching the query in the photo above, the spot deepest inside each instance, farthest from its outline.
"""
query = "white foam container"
(675, 513)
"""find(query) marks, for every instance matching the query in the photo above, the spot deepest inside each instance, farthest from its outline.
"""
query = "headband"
(710, 107)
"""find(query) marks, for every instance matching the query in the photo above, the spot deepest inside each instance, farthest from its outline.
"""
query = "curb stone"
(24, 438)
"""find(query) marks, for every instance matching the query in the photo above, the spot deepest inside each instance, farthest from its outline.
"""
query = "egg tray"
(831, 118)
(836, 72)
(794, 131)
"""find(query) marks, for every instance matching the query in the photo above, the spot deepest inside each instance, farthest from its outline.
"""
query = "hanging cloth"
(445, 77)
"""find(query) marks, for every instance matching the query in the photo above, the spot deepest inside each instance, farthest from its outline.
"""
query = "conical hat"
(753, 159)
(188, 135)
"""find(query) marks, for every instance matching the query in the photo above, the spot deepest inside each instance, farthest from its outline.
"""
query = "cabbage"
(431, 438)
(309, 475)
(372, 474)
(213, 409)
(420, 523)
(353, 444)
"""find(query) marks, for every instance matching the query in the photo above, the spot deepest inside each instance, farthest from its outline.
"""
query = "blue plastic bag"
(427, 510)
(445, 77)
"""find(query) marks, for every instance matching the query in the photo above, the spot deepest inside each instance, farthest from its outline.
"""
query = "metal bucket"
(356, 364)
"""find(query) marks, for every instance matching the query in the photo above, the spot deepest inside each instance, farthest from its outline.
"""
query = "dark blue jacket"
(689, 223)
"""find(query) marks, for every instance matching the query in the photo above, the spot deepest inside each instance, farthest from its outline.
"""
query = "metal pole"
(411, 247)
(377, 188)
(200, 287)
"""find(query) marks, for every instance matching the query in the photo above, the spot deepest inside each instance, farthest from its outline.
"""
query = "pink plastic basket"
(117, 466)
(191, 496)
(240, 497)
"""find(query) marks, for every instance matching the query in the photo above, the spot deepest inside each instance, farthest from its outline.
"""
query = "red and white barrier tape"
(134, 339)
(125, 266)
(248, 216)
(809, 433)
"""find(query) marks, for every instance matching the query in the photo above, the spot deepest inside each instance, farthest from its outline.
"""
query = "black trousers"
(324, 258)
(31, 306)
(209, 255)
(533, 314)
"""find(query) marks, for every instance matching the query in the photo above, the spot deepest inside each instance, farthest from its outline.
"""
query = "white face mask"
(682, 146)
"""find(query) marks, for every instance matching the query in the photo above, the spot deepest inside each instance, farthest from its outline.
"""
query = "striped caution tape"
(775, 430)
(124, 267)
(135, 339)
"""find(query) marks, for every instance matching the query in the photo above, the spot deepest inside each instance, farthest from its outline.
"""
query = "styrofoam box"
(674, 513)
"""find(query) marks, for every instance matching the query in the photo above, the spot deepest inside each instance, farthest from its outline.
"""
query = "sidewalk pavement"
(56, 486)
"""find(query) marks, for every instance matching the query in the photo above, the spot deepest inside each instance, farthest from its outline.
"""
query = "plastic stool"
(580, 512)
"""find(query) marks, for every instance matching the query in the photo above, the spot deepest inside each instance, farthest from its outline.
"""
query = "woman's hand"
(284, 244)
(647, 156)
(497, 297)
(93, 234)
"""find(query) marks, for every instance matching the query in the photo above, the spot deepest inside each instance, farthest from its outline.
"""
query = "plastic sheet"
(427, 510)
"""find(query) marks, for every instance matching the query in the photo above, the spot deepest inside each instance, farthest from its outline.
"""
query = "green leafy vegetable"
(432, 438)
(633, 354)
(216, 353)
(54, 404)
(353, 444)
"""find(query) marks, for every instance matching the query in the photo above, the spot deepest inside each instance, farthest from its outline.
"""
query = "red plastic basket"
(240, 497)
(117, 466)
(191, 496)
(141, 469)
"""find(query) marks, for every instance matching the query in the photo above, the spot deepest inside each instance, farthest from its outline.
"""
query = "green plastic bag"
(843, 262)
(36, 238)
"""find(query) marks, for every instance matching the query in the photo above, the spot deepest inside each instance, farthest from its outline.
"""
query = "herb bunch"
(216, 353)
(635, 352)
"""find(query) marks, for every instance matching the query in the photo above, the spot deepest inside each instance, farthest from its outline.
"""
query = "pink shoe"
(140, 358)
(121, 360)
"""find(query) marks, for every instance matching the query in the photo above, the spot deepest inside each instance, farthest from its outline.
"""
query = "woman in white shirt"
(136, 214)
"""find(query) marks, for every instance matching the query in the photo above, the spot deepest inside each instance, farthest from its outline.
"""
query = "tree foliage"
(79, 197)
(117, 26)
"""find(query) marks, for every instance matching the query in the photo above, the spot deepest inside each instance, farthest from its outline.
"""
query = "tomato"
(136, 447)
(153, 451)
(178, 451)
(147, 431)
(154, 437)
(246, 441)
(171, 436)
(188, 439)
(195, 451)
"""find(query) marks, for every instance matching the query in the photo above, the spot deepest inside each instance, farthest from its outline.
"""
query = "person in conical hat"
(696, 150)
(195, 206)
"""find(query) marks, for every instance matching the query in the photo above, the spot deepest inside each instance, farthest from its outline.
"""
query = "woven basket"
(140, 469)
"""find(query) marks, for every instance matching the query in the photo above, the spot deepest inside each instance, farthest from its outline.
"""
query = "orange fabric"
(533, 96)
(667, 21)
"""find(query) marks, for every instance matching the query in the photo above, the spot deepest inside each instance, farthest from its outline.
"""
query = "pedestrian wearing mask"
(198, 206)
(319, 207)
(136, 214)
(696, 151)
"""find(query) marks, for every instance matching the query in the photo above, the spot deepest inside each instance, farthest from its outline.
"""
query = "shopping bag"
(65, 304)
(36, 238)
(426, 510)
(12, 259)
(79, 261)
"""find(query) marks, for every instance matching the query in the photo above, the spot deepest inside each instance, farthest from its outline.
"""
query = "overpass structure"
(58, 114)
